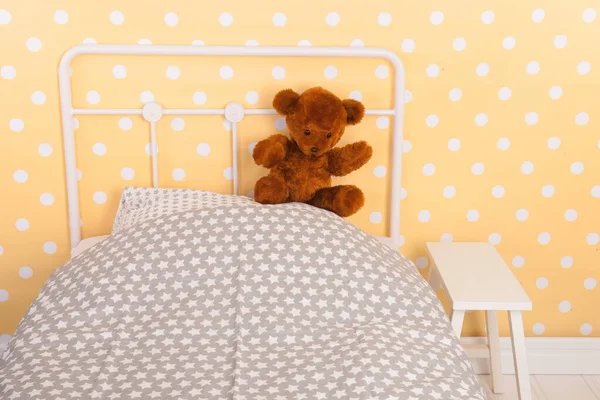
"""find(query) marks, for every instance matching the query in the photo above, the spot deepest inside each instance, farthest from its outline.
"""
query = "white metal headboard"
(234, 112)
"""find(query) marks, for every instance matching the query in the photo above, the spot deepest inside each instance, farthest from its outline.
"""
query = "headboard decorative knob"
(234, 112)
(152, 112)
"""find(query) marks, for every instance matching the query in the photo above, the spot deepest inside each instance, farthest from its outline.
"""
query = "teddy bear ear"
(285, 102)
(355, 111)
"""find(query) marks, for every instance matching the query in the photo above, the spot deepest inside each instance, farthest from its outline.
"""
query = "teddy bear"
(300, 168)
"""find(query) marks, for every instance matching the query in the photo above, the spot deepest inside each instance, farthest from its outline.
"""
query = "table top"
(476, 277)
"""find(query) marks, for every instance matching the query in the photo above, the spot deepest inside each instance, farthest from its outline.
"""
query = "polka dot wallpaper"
(502, 132)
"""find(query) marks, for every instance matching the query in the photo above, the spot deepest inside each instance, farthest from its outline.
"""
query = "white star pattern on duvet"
(244, 302)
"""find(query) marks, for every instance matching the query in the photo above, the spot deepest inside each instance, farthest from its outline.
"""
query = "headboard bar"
(234, 112)
(153, 147)
(196, 111)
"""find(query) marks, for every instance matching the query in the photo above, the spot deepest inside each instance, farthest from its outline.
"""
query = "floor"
(549, 387)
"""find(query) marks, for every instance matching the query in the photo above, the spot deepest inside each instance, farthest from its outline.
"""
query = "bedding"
(139, 203)
(86, 244)
(91, 241)
(239, 302)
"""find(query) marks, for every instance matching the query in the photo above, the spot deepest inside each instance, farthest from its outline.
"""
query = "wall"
(502, 127)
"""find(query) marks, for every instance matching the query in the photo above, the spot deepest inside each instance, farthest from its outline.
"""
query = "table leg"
(491, 321)
(457, 319)
(520, 357)
(433, 278)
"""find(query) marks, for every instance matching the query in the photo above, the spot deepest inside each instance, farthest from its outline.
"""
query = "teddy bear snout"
(314, 149)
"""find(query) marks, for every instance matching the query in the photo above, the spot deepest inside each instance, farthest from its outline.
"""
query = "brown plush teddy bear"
(301, 168)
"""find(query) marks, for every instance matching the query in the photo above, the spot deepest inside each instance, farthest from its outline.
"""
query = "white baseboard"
(546, 356)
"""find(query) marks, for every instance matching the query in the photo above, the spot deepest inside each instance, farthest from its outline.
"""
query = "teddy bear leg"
(343, 200)
(270, 190)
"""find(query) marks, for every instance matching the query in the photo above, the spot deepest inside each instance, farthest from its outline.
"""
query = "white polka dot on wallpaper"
(146, 96)
(8, 72)
(16, 125)
(125, 123)
(228, 173)
(455, 94)
(278, 72)
(47, 199)
(100, 197)
(252, 97)
(20, 176)
(382, 72)
(436, 17)
(432, 120)
(449, 192)
(482, 69)
(5, 17)
(226, 72)
(408, 45)
(199, 98)
(433, 70)
(495, 238)
(171, 19)
(93, 97)
(178, 174)
(477, 168)
(177, 124)
(127, 173)
(500, 145)
(173, 72)
(481, 119)
(554, 143)
(61, 17)
(518, 261)
(38, 97)
(225, 19)
(99, 149)
(203, 149)
(117, 17)
(279, 19)
(428, 169)
(380, 171)
(503, 144)
(498, 191)
(25, 272)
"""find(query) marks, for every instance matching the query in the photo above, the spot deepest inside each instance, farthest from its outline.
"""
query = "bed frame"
(234, 112)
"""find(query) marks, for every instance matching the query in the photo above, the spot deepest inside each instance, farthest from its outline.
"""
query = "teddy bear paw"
(348, 200)
(268, 154)
(362, 152)
(269, 190)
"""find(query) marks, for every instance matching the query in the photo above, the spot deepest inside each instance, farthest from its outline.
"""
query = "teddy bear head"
(316, 119)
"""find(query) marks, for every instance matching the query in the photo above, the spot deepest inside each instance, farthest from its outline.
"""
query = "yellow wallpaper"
(502, 126)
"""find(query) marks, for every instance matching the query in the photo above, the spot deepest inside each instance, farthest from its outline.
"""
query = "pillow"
(141, 204)
(86, 244)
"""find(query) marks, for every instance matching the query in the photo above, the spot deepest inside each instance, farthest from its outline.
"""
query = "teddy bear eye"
(307, 132)
(328, 135)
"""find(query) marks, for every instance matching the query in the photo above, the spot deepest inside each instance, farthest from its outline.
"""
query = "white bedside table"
(476, 278)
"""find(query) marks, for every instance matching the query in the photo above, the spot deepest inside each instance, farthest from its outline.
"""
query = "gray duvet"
(243, 302)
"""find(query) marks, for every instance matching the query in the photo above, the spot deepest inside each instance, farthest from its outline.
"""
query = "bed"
(225, 298)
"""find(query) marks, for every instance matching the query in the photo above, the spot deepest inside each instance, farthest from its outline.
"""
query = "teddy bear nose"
(314, 149)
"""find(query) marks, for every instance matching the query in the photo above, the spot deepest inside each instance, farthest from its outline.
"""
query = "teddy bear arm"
(271, 151)
(342, 161)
